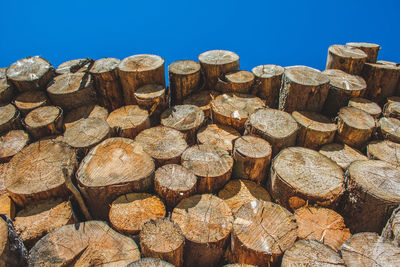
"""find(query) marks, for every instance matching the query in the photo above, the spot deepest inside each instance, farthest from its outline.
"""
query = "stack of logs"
(103, 164)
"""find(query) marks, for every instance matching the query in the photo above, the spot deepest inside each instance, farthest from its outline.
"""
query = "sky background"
(260, 32)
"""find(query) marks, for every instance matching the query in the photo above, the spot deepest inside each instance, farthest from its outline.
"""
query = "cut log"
(301, 175)
(240, 81)
(12, 143)
(393, 99)
(8, 255)
(374, 192)
(184, 118)
(311, 253)
(390, 129)
(315, 129)
(355, 126)
(342, 154)
(211, 164)
(129, 212)
(392, 110)
(303, 88)
(35, 173)
(268, 83)
(152, 98)
(72, 90)
(366, 105)
(391, 232)
(370, 49)
(3, 73)
(28, 101)
(385, 150)
(368, 249)
(323, 225)
(215, 63)
(9, 118)
(30, 73)
(234, 109)
(262, 232)
(84, 112)
(203, 100)
(90, 243)
(206, 222)
(75, 65)
(7, 91)
(138, 70)
(346, 58)
(236, 193)
(252, 157)
(276, 126)
(150, 262)
(108, 85)
(218, 135)
(342, 87)
(129, 121)
(112, 168)
(44, 121)
(162, 239)
(38, 219)
(184, 79)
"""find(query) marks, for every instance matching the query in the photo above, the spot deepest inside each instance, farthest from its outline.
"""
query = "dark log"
(184, 79)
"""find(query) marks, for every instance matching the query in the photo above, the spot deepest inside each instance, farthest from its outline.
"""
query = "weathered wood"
(393, 99)
(203, 100)
(75, 65)
(7, 91)
(390, 129)
(366, 105)
(8, 255)
(29, 100)
(184, 79)
(129, 121)
(84, 112)
(385, 150)
(391, 231)
(239, 81)
(12, 143)
(9, 118)
(346, 58)
(7, 206)
(218, 135)
(370, 49)
(392, 110)
(150, 262)
(268, 83)
(44, 121)
(342, 154)
(206, 222)
(152, 97)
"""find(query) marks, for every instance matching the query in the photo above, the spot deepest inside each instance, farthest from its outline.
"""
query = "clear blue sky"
(260, 32)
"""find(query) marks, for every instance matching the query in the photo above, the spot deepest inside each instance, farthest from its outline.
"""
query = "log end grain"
(369, 48)
(346, 58)
(202, 99)
(128, 121)
(385, 150)
(366, 105)
(44, 121)
(74, 65)
(12, 143)
(342, 154)
(9, 118)
(268, 83)
(150, 262)
(84, 112)
(390, 128)
(219, 135)
(140, 63)
(30, 100)
(240, 81)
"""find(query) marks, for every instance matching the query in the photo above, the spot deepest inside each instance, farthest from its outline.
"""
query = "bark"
(240, 81)
(9, 118)
(392, 110)
(7, 91)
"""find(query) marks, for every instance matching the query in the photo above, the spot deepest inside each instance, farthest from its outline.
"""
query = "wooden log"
(150, 262)
(370, 49)
(392, 110)
(301, 175)
(162, 239)
(342, 87)
(8, 255)
(262, 232)
(206, 222)
(252, 157)
(114, 167)
(3, 73)
(218, 135)
(385, 150)
(108, 85)
(7, 90)
(184, 118)
(90, 243)
(373, 193)
(215, 63)
(152, 97)
(368, 249)
(366, 105)
(303, 88)
(323, 225)
(355, 126)
(211, 164)
(234, 109)
(72, 90)
(29, 100)
(239, 81)
(390, 129)
(391, 232)
(12, 143)
(311, 253)
(238, 192)
(268, 83)
(7, 206)
(9, 118)
(84, 112)
(129, 121)
(346, 58)
(30, 73)
(35, 173)
(393, 99)
(138, 70)
(315, 129)
(203, 100)
(342, 154)
(238, 265)
(276, 126)
(75, 65)
(184, 79)
(44, 121)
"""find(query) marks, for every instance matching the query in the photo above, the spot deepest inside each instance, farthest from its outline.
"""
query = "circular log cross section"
(268, 83)
(84, 112)
(44, 121)
(392, 110)
(149, 95)
(385, 150)
(12, 143)
(75, 65)
(184, 79)
(342, 154)
(240, 81)
(129, 121)
(370, 49)
(218, 135)
(346, 58)
(390, 129)
(202, 100)
(28, 101)
(150, 262)
(9, 118)
(366, 105)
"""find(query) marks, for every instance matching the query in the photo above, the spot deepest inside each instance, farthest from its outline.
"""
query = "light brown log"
(366, 105)
(150, 262)
(262, 232)
(162, 239)
(218, 135)
(7, 90)
(311, 253)
(84, 112)
(391, 231)
(7, 206)
(393, 99)
(114, 167)
(315, 129)
(206, 222)
(184, 79)
(108, 85)
(8, 255)
(370, 49)
(374, 192)
(44, 121)
(390, 129)
(152, 97)
(279, 128)
(90, 243)
(346, 58)
(385, 150)
(203, 100)
(28, 101)
(75, 65)
(355, 126)
(30, 73)
(35, 173)
(12, 143)
(184, 118)
(301, 175)
(342, 154)
(234, 109)
(211, 164)
(252, 157)
(303, 88)
(238, 192)
(129, 121)
(215, 63)
(392, 110)
(268, 83)
(9, 118)
(342, 87)
(240, 81)
(323, 225)
(138, 70)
